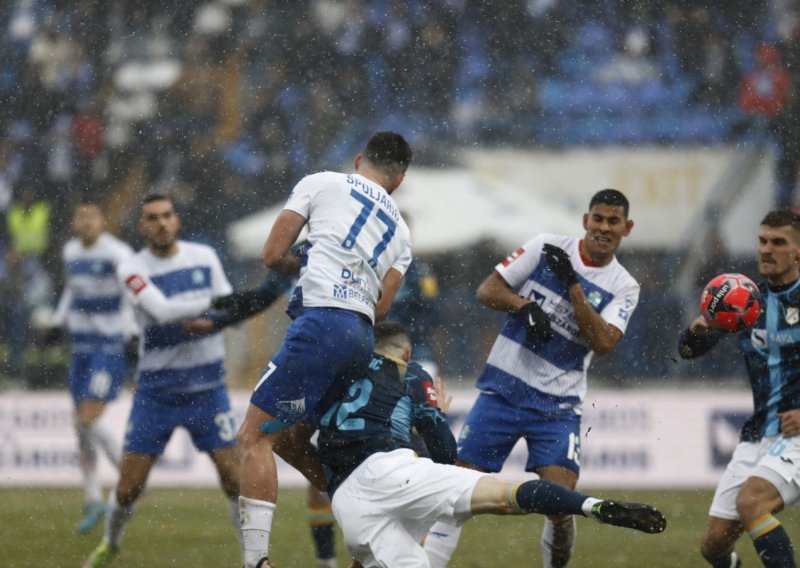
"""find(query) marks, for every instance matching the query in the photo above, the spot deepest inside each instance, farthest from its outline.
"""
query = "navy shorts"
(207, 415)
(493, 427)
(325, 351)
(96, 376)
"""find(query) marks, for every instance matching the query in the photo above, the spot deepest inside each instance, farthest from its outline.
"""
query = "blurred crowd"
(224, 104)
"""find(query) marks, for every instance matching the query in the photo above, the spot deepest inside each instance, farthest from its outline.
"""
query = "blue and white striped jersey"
(92, 305)
(165, 291)
(551, 376)
(356, 235)
(772, 355)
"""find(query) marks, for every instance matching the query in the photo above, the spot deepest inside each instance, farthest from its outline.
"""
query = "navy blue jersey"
(377, 415)
(771, 351)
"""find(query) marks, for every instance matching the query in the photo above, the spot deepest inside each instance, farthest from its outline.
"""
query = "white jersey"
(92, 306)
(165, 291)
(356, 235)
(551, 376)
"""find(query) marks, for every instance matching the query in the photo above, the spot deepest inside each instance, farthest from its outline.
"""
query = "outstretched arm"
(162, 309)
(698, 339)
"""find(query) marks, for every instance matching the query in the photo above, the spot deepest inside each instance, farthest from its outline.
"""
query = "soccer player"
(180, 380)
(764, 474)
(99, 323)
(385, 497)
(567, 299)
(359, 249)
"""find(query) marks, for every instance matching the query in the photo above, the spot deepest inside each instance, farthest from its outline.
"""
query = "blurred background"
(518, 111)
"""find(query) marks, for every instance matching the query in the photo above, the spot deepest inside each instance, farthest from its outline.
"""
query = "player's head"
(88, 220)
(159, 223)
(606, 223)
(388, 155)
(392, 340)
(779, 247)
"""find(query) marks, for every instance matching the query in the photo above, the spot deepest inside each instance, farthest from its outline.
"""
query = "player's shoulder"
(116, 244)
(321, 180)
(136, 261)
(197, 250)
(621, 277)
(565, 242)
(415, 371)
(71, 248)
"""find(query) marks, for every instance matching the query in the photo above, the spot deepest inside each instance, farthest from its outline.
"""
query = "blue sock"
(547, 498)
(772, 543)
(324, 541)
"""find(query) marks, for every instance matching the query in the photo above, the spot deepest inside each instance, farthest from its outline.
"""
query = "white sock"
(587, 506)
(103, 438)
(440, 543)
(256, 516)
(556, 554)
(116, 518)
(326, 563)
(88, 461)
(233, 511)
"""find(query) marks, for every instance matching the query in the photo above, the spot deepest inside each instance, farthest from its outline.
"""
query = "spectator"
(765, 96)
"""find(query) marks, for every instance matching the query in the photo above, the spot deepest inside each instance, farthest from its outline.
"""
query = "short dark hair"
(782, 218)
(152, 197)
(89, 201)
(388, 151)
(612, 197)
(391, 333)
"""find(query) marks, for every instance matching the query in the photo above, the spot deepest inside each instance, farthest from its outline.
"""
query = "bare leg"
(258, 484)
(719, 539)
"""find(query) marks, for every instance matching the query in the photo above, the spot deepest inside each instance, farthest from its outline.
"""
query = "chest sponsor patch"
(135, 284)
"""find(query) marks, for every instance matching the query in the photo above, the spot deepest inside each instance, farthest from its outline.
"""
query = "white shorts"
(776, 459)
(388, 503)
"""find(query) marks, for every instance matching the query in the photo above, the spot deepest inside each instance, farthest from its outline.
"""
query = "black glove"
(53, 336)
(560, 264)
(242, 305)
(132, 351)
(537, 324)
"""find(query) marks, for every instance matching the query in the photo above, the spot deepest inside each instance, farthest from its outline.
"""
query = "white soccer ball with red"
(730, 302)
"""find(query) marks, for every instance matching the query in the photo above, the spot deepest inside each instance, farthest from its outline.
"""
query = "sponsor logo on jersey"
(340, 291)
(294, 406)
(513, 256)
(135, 284)
(759, 338)
(198, 277)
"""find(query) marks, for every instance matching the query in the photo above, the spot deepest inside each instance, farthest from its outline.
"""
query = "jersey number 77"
(367, 206)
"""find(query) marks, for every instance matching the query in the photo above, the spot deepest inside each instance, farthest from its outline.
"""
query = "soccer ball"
(730, 302)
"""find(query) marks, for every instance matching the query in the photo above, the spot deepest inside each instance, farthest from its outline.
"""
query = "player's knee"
(248, 437)
(712, 549)
(127, 494)
(752, 503)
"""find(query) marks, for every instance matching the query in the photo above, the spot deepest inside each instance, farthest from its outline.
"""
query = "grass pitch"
(190, 527)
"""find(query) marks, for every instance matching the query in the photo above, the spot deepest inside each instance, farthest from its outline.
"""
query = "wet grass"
(190, 527)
